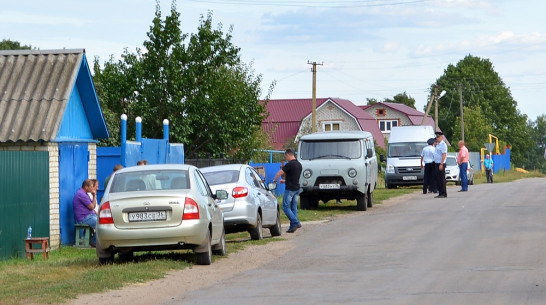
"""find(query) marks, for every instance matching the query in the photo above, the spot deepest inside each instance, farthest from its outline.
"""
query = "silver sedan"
(250, 206)
(160, 207)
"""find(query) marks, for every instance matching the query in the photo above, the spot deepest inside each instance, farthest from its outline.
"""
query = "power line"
(317, 4)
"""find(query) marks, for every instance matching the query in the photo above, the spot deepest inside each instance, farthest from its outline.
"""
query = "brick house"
(390, 115)
(291, 118)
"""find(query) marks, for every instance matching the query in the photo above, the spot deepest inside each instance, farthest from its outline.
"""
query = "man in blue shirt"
(488, 164)
(440, 154)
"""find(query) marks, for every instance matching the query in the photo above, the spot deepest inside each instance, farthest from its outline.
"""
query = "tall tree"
(196, 81)
(536, 156)
(7, 44)
(476, 129)
(402, 98)
(483, 88)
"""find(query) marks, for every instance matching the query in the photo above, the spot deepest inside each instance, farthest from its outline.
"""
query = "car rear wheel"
(105, 255)
(205, 258)
(126, 256)
(257, 233)
(276, 230)
(361, 203)
(220, 248)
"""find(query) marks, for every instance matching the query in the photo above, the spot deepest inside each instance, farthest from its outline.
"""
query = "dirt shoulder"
(178, 282)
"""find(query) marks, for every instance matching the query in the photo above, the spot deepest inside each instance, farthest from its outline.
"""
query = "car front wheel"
(220, 248)
(205, 258)
(276, 230)
(257, 233)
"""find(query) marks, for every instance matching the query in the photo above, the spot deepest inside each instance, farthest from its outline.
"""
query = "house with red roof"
(290, 119)
(390, 115)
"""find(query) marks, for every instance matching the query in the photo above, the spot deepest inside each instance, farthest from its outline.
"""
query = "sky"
(366, 48)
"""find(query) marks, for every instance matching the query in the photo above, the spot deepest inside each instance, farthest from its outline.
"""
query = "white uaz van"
(337, 165)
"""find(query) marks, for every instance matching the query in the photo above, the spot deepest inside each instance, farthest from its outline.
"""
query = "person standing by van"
(440, 154)
(291, 172)
(427, 157)
(462, 160)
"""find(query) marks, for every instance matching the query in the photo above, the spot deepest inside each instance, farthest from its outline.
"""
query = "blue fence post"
(166, 130)
(123, 139)
(138, 136)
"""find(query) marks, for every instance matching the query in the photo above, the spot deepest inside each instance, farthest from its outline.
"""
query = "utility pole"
(432, 97)
(436, 109)
(461, 106)
(314, 113)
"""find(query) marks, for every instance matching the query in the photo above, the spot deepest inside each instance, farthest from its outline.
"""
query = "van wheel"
(361, 203)
(304, 202)
(313, 202)
(370, 198)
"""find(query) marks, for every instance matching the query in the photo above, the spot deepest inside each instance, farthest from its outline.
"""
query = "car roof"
(155, 167)
(337, 135)
(223, 167)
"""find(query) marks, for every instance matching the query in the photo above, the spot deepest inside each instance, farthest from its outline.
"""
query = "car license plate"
(329, 186)
(409, 178)
(148, 216)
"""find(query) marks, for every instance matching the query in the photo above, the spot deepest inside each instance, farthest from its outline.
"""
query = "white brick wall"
(92, 166)
(390, 114)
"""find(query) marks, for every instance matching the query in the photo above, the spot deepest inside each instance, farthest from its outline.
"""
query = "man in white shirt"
(427, 157)
(440, 154)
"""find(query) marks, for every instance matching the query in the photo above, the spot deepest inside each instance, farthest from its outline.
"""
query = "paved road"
(485, 246)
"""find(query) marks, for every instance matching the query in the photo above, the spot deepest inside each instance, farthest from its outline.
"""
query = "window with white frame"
(331, 126)
(386, 125)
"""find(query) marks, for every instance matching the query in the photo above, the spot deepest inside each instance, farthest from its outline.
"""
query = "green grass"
(71, 271)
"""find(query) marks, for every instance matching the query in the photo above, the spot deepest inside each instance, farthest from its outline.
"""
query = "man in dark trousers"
(440, 154)
(427, 157)
(291, 172)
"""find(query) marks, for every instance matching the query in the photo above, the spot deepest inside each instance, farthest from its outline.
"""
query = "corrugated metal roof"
(414, 115)
(34, 90)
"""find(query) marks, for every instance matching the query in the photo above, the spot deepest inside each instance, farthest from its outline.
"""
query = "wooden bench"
(44, 247)
(82, 241)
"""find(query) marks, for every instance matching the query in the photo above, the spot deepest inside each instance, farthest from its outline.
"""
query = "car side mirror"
(221, 195)
(271, 186)
(382, 158)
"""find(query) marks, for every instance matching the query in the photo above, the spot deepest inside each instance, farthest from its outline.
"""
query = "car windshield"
(222, 177)
(147, 180)
(335, 149)
(406, 149)
(451, 161)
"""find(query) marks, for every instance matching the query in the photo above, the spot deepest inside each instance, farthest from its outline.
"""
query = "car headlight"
(390, 169)
(307, 173)
(352, 172)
